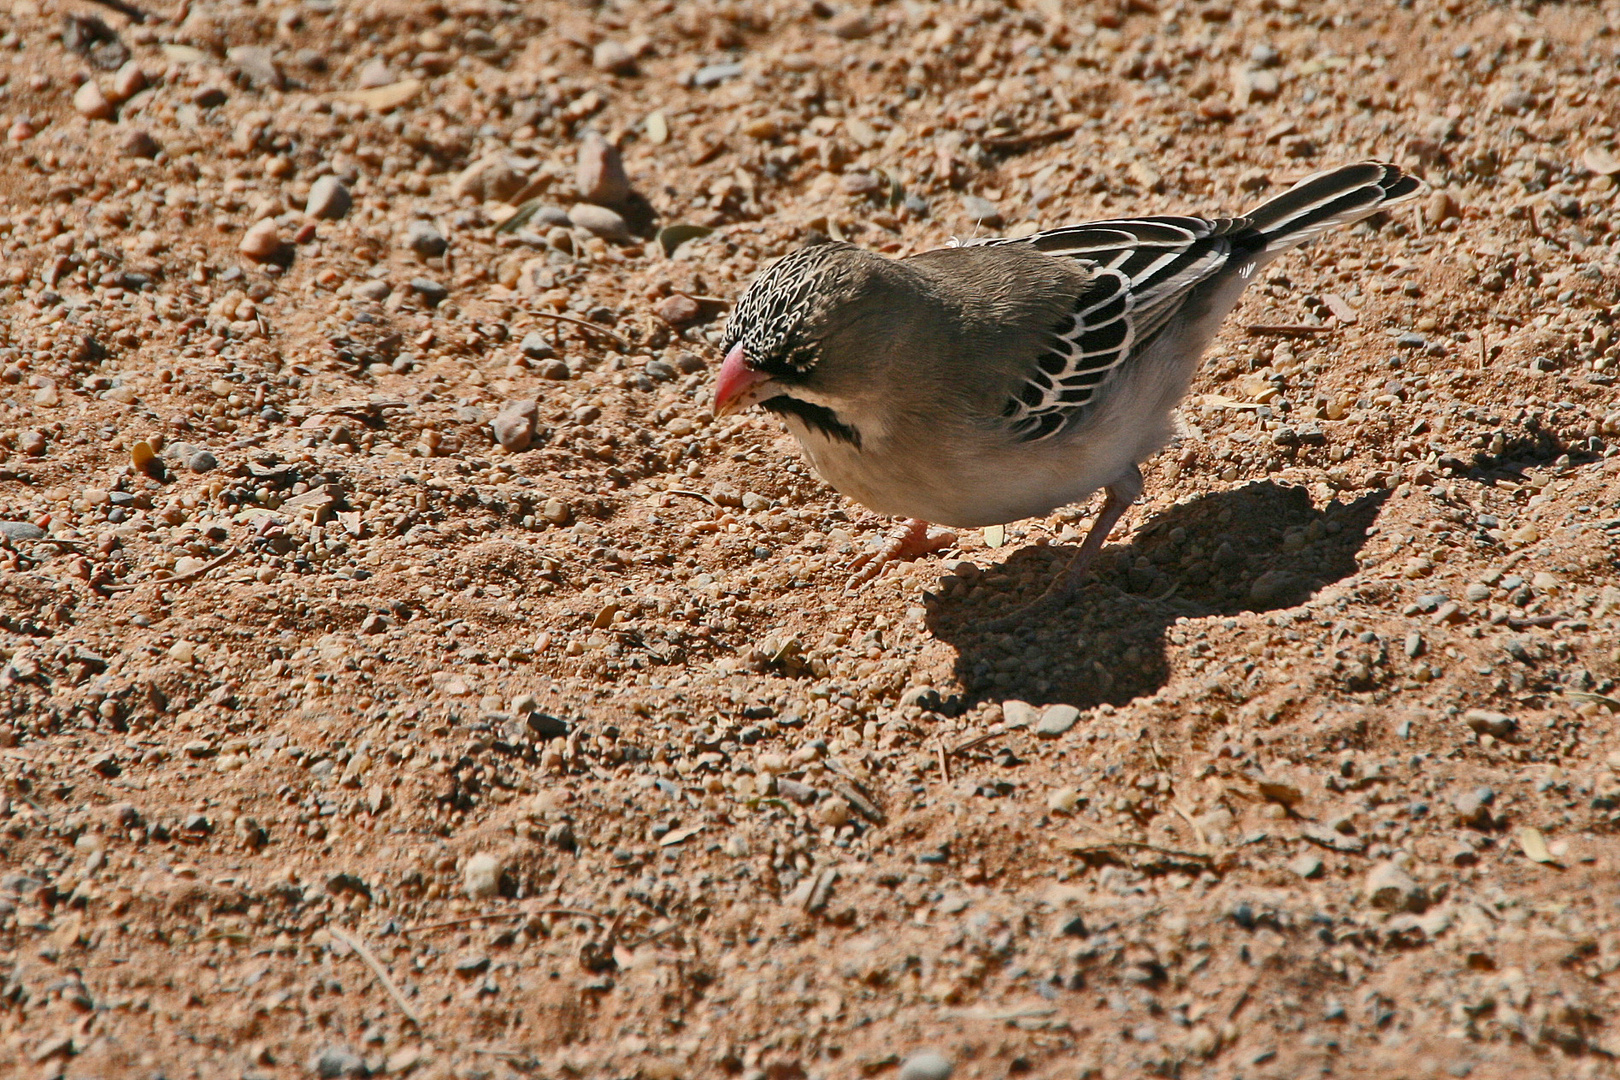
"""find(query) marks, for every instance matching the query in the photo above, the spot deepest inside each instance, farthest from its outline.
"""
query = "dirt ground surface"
(404, 673)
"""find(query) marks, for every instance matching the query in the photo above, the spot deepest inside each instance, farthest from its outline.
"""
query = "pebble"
(261, 241)
(613, 57)
(432, 293)
(1307, 866)
(1474, 807)
(21, 530)
(513, 426)
(128, 81)
(202, 461)
(1251, 84)
(329, 199)
(1055, 720)
(1272, 587)
(850, 25)
(493, 178)
(555, 370)
(600, 175)
(482, 876)
(927, 1065)
(337, 1062)
(1063, 800)
(373, 290)
(374, 74)
(1440, 206)
(1018, 714)
(425, 240)
(138, 143)
(89, 101)
(553, 216)
(714, 74)
(1390, 888)
(677, 310)
(1490, 723)
(599, 220)
(536, 347)
(257, 63)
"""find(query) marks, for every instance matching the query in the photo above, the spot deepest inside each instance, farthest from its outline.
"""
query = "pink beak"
(734, 389)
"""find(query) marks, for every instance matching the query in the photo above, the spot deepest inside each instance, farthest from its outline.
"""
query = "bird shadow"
(1262, 547)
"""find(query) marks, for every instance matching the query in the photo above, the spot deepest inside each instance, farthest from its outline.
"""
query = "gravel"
(307, 692)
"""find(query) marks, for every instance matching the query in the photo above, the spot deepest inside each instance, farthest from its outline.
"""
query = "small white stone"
(1018, 714)
(1056, 719)
(1063, 800)
(482, 876)
(927, 1065)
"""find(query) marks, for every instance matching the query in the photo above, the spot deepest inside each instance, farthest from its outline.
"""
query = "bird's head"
(799, 339)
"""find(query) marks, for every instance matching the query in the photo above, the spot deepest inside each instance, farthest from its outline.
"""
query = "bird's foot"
(1121, 493)
(911, 539)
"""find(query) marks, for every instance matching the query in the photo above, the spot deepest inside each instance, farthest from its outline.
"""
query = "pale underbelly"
(991, 489)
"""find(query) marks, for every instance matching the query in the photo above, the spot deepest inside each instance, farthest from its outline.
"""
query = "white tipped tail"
(1330, 199)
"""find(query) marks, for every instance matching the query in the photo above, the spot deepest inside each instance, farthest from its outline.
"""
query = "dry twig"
(586, 323)
(580, 912)
(178, 579)
(378, 970)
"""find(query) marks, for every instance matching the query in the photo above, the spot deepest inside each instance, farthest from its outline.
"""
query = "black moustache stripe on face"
(817, 417)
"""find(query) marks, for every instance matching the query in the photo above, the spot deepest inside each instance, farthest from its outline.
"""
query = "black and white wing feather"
(1143, 270)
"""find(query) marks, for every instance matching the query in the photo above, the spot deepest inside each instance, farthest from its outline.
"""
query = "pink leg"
(906, 541)
(1120, 495)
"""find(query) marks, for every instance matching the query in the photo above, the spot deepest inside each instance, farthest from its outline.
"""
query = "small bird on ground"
(1000, 379)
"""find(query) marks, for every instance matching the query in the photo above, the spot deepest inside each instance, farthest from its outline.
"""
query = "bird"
(1002, 378)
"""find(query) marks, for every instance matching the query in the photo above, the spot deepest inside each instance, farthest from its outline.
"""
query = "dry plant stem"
(178, 579)
(586, 323)
(1136, 845)
(378, 970)
(962, 748)
(501, 915)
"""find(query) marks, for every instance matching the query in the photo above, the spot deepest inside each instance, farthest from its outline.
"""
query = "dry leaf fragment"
(1340, 307)
(383, 98)
(657, 128)
(675, 836)
(1534, 846)
(1600, 161)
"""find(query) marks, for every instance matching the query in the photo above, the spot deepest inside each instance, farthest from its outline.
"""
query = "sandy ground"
(341, 738)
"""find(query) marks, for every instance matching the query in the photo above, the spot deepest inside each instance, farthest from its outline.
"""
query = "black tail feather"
(1331, 199)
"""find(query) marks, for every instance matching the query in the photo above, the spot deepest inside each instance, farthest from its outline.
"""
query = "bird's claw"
(905, 542)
